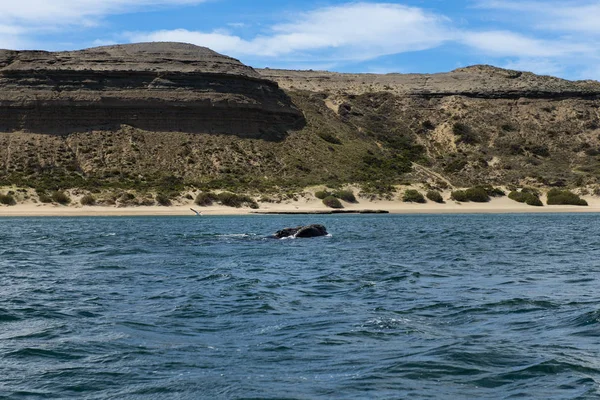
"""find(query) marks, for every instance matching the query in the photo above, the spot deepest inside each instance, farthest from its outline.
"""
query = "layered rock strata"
(151, 86)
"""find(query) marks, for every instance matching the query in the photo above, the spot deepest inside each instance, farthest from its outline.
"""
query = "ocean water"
(387, 307)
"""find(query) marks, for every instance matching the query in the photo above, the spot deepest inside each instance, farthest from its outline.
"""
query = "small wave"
(329, 235)
(586, 319)
(386, 323)
(29, 352)
(6, 316)
(545, 368)
(107, 268)
(213, 277)
(234, 235)
(523, 305)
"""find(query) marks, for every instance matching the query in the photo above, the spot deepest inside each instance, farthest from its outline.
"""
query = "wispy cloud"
(562, 37)
(355, 31)
(511, 44)
(542, 66)
(571, 16)
(28, 17)
(74, 11)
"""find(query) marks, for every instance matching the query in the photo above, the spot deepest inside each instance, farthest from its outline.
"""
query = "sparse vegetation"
(564, 197)
(332, 202)
(234, 200)
(127, 198)
(455, 166)
(88, 200)
(205, 199)
(491, 190)
(459, 195)
(475, 194)
(529, 197)
(373, 142)
(321, 194)
(435, 196)
(44, 198)
(162, 199)
(60, 197)
(7, 199)
(464, 133)
(346, 195)
(329, 137)
(413, 196)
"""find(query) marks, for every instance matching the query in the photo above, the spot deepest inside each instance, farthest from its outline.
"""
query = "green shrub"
(435, 196)
(459, 195)
(329, 137)
(413, 196)
(205, 199)
(7, 199)
(564, 197)
(44, 198)
(539, 150)
(455, 166)
(321, 194)
(266, 199)
(162, 199)
(60, 197)
(477, 194)
(492, 191)
(465, 133)
(229, 199)
(332, 202)
(346, 195)
(528, 198)
(88, 200)
(126, 197)
(533, 191)
(234, 200)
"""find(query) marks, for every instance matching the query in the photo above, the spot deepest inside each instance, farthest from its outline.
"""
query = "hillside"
(166, 115)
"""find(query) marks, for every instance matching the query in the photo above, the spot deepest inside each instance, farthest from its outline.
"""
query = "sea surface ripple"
(420, 307)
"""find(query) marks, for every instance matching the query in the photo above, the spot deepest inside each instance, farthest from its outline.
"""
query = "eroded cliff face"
(141, 115)
(151, 86)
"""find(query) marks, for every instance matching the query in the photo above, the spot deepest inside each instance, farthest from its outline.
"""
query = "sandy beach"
(495, 206)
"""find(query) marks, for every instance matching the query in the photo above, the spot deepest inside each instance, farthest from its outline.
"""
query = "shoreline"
(302, 207)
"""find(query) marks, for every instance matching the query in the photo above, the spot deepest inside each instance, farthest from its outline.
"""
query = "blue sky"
(560, 38)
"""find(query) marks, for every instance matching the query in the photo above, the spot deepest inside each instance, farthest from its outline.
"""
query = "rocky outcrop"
(151, 86)
(307, 231)
(478, 81)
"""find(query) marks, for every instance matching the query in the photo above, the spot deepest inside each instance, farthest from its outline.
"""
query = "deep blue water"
(455, 306)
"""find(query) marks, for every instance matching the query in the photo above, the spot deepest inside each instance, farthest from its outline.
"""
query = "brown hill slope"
(168, 114)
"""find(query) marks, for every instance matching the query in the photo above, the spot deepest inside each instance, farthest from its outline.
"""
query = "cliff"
(150, 86)
(149, 115)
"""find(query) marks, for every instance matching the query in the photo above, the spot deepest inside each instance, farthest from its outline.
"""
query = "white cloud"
(23, 19)
(510, 44)
(539, 66)
(355, 31)
(54, 12)
(10, 37)
(571, 16)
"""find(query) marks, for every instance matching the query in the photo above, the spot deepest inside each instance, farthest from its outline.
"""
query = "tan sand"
(497, 205)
